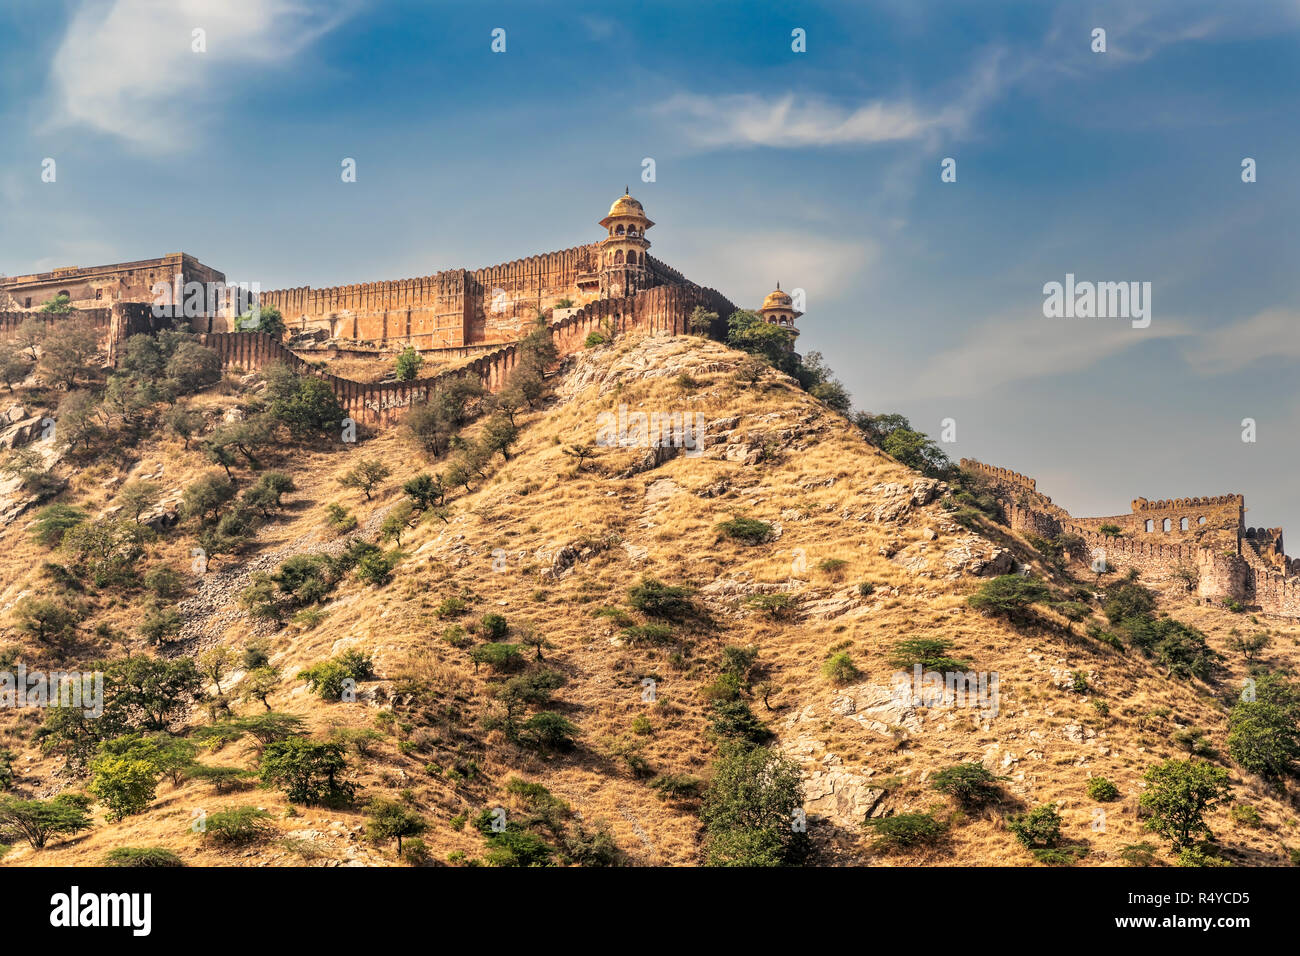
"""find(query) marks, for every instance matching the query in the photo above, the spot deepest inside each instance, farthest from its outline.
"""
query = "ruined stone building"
(1200, 543)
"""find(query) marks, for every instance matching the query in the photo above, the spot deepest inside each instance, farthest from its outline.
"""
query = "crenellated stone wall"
(1165, 541)
(663, 309)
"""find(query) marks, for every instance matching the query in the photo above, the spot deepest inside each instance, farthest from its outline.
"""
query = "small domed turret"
(778, 309)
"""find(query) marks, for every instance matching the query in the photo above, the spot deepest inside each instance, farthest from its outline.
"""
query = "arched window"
(65, 292)
(1200, 520)
(631, 258)
(1150, 526)
(1184, 525)
(1166, 525)
(618, 258)
(619, 230)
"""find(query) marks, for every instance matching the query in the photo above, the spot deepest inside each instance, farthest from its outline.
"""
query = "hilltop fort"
(1201, 544)
(610, 286)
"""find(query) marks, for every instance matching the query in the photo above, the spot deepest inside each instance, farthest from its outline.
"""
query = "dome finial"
(626, 191)
(778, 286)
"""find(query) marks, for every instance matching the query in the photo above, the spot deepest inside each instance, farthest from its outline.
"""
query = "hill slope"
(868, 553)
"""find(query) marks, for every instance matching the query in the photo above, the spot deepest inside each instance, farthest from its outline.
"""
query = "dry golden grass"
(818, 488)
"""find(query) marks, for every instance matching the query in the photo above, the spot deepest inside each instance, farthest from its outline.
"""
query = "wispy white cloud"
(792, 121)
(128, 67)
(1004, 350)
(1271, 334)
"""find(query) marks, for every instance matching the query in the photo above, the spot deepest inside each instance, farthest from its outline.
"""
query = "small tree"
(126, 776)
(366, 476)
(260, 683)
(14, 365)
(1179, 793)
(389, 820)
(215, 662)
(400, 518)
(308, 772)
(750, 809)
(1039, 829)
(137, 497)
(48, 620)
(1010, 596)
(970, 784)
(408, 364)
(37, 820)
(425, 490)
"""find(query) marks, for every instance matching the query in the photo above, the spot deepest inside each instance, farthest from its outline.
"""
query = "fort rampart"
(1201, 544)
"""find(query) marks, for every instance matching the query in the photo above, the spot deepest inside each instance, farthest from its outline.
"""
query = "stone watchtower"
(624, 269)
(778, 309)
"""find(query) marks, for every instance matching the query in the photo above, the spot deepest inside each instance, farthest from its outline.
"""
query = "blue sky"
(818, 169)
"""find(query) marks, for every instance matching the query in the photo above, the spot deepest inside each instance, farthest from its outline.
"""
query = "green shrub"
(733, 719)
(930, 653)
(1138, 854)
(750, 807)
(866, 589)
(969, 783)
(376, 569)
(1200, 855)
(747, 530)
(1010, 596)
(1040, 828)
(1102, 790)
(652, 633)
(676, 786)
(499, 657)
(1060, 855)
(237, 826)
(1128, 599)
(1246, 815)
(840, 668)
(548, 730)
(451, 607)
(903, 831)
(494, 627)
(1264, 733)
(665, 601)
(141, 856)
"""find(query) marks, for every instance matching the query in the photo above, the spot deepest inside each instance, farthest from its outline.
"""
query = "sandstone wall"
(1205, 535)
(449, 309)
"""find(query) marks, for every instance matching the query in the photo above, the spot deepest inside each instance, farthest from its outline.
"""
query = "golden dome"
(777, 299)
(625, 205)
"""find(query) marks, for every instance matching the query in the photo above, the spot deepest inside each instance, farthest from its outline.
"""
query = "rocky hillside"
(806, 558)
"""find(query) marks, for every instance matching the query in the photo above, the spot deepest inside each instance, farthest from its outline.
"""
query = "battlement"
(1001, 474)
(1175, 504)
(1168, 539)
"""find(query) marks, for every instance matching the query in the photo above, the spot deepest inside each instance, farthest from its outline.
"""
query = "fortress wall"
(9, 321)
(662, 309)
(1231, 562)
(449, 309)
(1001, 475)
(1221, 513)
